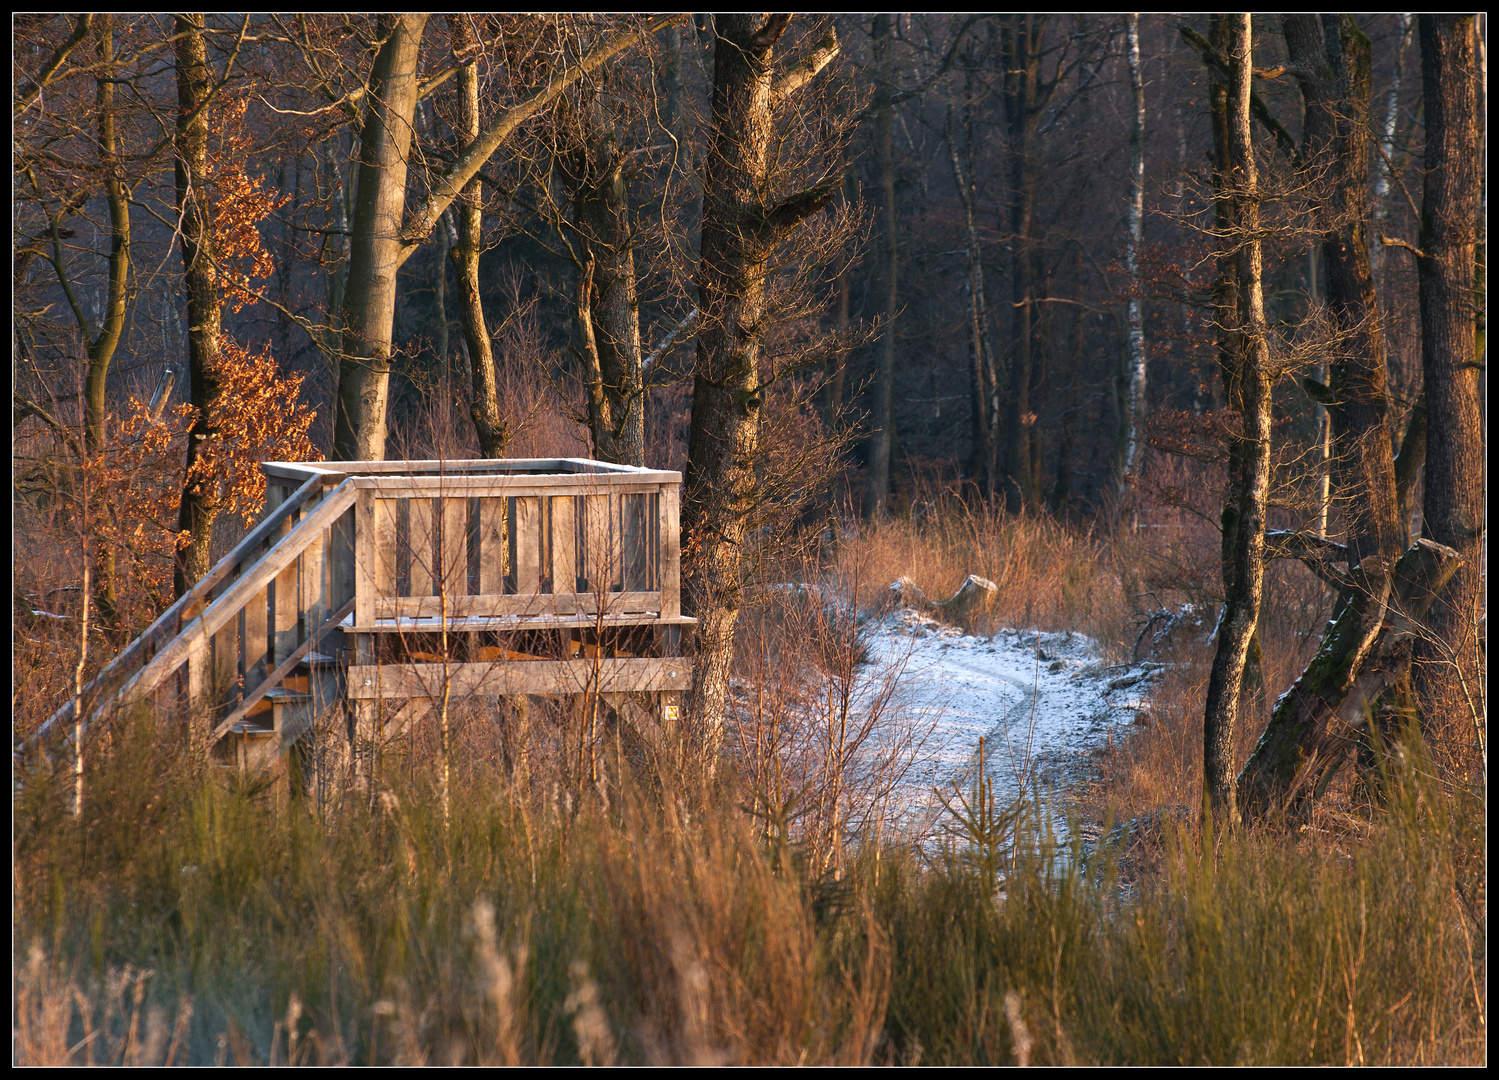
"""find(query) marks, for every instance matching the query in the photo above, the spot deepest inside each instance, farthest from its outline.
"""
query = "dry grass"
(650, 918)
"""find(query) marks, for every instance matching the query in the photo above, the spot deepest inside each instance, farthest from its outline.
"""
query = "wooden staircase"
(379, 587)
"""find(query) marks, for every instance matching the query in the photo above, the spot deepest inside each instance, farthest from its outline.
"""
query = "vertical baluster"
(454, 548)
(526, 544)
(383, 572)
(423, 541)
(493, 546)
(564, 549)
(257, 640)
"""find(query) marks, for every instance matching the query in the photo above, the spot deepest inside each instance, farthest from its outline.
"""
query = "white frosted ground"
(1040, 701)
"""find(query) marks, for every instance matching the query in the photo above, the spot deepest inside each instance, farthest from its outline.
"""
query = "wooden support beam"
(542, 677)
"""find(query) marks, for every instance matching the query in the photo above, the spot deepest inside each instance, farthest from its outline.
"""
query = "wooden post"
(671, 552)
(365, 559)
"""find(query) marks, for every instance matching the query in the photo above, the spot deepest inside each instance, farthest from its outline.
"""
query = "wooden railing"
(406, 545)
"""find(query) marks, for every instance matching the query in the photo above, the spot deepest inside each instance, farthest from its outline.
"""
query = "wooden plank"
(179, 616)
(534, 677)
(312, 581)
(517, 624)
(636, 531)
(454, 552)
(671, 552)
(513, 485)
(365, 531)
(285, 590)
(340, 557)
(493, 546)
(518, 604)
(423, 539)
(564, 545)
(257, 639)
(223, 674)
(525, 544)
(282, 671)
(383, 569)
(596, 566)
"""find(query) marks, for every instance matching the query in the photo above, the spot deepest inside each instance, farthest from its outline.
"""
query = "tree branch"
(806, 69)
(778, 222)
(1204, 48)
(58, 57)
(472, 158)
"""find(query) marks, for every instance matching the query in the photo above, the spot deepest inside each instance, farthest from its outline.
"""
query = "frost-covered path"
(1040, 701)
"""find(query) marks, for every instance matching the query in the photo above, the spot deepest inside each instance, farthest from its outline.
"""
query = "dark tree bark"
(882, 416)
(740, 235)
(200, 496)
(1449, 660)
(1328, 709)
(1249, 484)
(1025, 98)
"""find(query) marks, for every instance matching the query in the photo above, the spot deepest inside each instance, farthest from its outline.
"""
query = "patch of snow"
(1041, 702)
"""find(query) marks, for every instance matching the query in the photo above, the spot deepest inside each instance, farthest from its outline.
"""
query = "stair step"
(319, 660)
(251, 730)
(283, 696)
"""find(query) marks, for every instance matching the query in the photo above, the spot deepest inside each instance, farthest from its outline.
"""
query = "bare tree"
(200, 496)
(1449, 669)
(381, 243)
(1249, 483)
(1132, 249)
(745, 222)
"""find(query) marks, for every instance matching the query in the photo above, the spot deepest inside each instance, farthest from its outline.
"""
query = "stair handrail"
(219, 611)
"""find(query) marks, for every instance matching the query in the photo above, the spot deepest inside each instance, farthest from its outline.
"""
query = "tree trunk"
(1020, 39)
(484, 404)
(200, 495)
(380, 243)
(101, 348)
(1449, 660)
(608, 310)
(884, 375)
(1366, 651)
(1331, 57)
(1132, 252)
(739, 236)
(1249, 485)
(376, 246)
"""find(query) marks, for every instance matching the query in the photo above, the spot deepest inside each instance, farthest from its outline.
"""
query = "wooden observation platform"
(384, 586)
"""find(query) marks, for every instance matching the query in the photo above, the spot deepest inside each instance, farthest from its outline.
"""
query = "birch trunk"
(1132, 252)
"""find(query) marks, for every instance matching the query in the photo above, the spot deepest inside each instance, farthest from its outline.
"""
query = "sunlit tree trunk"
(376, 249)
(1449, 663)
(1331, 57)
(484, 400)
(200, 496)
(1249, 484)
(740, 234)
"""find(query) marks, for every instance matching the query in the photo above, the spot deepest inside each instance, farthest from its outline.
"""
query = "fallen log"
(1367, 649)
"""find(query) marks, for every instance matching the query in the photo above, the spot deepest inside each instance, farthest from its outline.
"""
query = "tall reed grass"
(188, 921)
